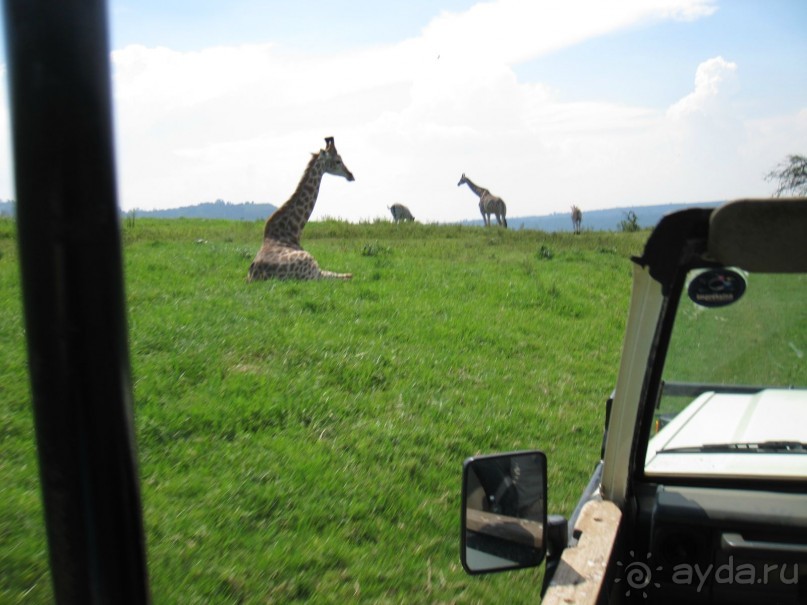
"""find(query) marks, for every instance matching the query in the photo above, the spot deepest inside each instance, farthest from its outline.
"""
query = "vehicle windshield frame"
(676, 292)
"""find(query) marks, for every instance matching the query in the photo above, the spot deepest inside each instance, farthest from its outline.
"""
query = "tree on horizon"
(790, 176)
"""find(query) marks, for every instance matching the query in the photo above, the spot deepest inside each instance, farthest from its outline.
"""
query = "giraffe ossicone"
(281, 256)
(488, 203)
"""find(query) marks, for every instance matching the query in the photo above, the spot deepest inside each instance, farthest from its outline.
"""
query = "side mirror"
(503, 512)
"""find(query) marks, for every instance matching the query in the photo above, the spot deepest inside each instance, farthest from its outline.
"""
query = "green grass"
(304, 441)
(728, 344)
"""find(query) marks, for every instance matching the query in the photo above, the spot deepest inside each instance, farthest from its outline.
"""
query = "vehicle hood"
(719, 418)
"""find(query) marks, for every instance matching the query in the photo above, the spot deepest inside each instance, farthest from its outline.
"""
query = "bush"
(630, 223)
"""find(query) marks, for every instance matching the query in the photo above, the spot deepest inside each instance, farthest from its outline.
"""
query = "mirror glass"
(503, 511)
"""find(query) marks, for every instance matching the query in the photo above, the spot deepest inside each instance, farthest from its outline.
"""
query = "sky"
(546, 103)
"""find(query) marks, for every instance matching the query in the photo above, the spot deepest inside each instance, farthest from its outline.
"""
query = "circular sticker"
(716, 288)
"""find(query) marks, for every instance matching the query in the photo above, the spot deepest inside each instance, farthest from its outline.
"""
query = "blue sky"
(546, 103)
(651, 65)
(314, 25)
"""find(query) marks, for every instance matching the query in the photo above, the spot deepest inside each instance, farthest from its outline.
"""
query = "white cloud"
(706, 133)
(509, 31)
(715, 80)
(238, 123)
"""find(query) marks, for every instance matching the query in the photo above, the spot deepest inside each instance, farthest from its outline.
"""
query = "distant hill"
(598, 220)
(593, 220)
(247, 211)
(7, 208)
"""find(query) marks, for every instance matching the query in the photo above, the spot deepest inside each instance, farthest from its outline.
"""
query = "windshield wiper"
(764, 447)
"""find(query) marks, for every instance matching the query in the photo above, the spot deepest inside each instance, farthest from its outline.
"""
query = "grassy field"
(304, 441)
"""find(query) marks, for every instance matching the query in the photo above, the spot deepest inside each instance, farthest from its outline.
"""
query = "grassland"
(304, 441)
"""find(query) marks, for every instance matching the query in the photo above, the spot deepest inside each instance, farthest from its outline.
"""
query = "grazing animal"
(400, 213)
(281, 256)
(488, 203)
(577, 219)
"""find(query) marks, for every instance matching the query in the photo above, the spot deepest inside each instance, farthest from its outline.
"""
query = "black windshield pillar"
(75, 314)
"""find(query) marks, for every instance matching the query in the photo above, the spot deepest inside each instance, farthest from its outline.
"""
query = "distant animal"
(281, 256)
(577, 219)
(400, 213)
(488, 203)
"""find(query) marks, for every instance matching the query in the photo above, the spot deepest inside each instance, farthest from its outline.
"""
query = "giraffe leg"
(308, 268)
(331, 275)
(278, 262)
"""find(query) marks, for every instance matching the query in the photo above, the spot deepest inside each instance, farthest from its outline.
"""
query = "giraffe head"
(331, 161)
(462, 180)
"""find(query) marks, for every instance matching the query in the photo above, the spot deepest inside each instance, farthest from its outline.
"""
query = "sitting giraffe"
(488, 203)
(281, 255)
(577, 219)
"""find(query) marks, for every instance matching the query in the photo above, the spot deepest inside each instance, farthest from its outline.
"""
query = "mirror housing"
(503, 512)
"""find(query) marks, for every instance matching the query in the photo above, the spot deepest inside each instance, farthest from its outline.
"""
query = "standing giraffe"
(488, 203)
(577, 219)
(281, 256)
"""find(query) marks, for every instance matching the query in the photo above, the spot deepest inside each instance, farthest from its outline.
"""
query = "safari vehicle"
(700, 495)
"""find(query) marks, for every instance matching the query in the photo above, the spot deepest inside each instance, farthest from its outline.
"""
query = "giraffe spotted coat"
(281, 256)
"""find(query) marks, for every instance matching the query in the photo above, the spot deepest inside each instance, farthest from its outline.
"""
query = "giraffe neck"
(287, 222)
(474, 187)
